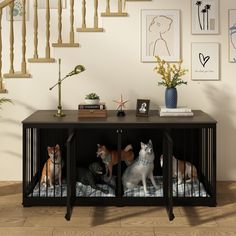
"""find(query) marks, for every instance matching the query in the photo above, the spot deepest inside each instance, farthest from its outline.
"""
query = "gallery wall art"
(18, 10)
(205, 61)
(232, 35)
(160, 35)
(205, 17)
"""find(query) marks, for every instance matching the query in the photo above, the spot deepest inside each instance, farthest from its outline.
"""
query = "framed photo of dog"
(142, 108)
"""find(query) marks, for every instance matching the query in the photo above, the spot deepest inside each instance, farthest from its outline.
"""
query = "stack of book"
(179, 111)
(92, 110)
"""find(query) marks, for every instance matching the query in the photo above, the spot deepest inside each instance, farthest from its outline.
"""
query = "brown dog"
(52, 168)
(184, 170)
(110, 157)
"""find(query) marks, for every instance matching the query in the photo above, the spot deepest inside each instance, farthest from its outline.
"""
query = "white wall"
(112, 61)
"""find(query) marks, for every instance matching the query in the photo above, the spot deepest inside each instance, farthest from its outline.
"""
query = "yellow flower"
(170, 73)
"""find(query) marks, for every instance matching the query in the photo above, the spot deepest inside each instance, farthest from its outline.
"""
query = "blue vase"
(171, 97)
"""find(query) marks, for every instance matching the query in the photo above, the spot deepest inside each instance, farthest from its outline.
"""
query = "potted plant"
(171, 74)
(92, 98)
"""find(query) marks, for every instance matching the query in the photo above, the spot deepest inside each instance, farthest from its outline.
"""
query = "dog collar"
(144, 162)
(57, 163)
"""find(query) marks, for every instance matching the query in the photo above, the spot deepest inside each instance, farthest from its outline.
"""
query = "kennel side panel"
(29, 161)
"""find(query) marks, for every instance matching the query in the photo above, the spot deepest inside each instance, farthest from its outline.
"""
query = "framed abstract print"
(232, 35)
(205, 16)
(160, 35)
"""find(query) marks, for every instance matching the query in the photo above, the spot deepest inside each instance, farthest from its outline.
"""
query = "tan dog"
(110, 157)
(190, 170)
(52, 169)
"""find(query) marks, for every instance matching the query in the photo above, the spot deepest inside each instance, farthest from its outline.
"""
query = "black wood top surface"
(45, 117)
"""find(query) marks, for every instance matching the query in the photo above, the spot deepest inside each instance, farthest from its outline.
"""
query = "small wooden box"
(92, 113)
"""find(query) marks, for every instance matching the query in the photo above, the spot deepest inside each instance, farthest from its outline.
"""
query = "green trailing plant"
(4, 100)
(171, 73)
(92, 96)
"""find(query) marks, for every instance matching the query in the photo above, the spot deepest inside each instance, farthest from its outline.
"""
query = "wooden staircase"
(47, 58)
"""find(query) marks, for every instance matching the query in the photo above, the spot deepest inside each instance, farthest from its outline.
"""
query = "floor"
(112, 221)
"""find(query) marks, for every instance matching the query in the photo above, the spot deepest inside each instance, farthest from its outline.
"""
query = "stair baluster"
(72, 40)
(35, 32)
(23, 63)
(47, 58)
(11, 71)
(108, 9)
(119, 13)
(2, 89)
(72, 34)
(47, 53)
(22, 73)
(84, 28)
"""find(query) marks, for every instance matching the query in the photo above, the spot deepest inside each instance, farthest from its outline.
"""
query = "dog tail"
(161, 160)
(193, 176)
(128, 148)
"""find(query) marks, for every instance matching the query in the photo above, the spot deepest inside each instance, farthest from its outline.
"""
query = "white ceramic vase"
(92, 101)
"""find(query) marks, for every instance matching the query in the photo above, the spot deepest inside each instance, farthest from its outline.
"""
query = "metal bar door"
(70, 143)
(167, 173)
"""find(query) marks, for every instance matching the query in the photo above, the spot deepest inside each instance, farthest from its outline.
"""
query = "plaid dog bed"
(81, 191)
(194, 189)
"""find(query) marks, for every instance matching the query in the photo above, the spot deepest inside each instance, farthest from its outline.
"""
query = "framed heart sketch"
(232, 35)
(160, 35)
(205, 61)
(205, 17)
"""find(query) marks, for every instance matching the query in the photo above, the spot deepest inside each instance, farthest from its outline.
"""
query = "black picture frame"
(142, 108)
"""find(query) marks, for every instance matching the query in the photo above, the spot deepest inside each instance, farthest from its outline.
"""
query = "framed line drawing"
(160, 35)
(142, 108)
(205, 61)
(205, 16)
(232, 35)
(53, 4)
(18, 10)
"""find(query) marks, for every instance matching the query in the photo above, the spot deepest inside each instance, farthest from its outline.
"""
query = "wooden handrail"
(5, 3)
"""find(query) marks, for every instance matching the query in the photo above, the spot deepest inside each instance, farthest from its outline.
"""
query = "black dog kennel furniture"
(191, 139)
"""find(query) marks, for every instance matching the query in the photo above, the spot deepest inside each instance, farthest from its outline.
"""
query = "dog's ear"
(98, 145)
(142, 145)
(150, 141)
